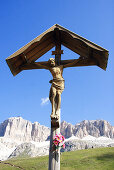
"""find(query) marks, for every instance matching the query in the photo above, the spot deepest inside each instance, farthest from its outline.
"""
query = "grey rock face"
(30, 150)
(66, 129)
(19, 137)
(94, 128)
(23, 130)
(78, 145)
(33, 149)
(39, 133)
(111, 145)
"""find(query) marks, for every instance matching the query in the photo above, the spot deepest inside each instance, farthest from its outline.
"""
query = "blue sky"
(89, 92)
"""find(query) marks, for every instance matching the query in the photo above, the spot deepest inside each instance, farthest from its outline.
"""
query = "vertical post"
(57, 38)
(54, 155)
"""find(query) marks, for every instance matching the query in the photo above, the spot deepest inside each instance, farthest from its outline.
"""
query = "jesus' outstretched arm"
(41, 66)
(35, 65)
(71, 64)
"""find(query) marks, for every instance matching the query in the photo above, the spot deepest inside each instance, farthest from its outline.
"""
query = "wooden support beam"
(40, 50)
(32, 55)
(83, 62)
(57, 39)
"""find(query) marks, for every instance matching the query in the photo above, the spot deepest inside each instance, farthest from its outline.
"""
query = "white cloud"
(44, 101)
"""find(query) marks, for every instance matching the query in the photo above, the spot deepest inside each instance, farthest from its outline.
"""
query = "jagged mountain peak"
(94, 128)
(66, 123)
(93, 121)
(18, 135)
(23, 130)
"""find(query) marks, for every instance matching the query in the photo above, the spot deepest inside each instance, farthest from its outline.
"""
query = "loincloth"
(58, 84)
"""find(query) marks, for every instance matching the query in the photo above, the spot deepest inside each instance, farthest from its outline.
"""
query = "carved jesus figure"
(57, 86)
(57, 82)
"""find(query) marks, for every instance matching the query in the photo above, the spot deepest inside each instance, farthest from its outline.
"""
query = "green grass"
(90, 159)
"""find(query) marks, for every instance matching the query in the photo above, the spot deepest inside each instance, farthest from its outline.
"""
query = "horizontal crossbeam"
(57, 52)
(42, 65)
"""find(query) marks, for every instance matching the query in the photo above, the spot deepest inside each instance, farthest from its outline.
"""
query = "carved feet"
(54, 116)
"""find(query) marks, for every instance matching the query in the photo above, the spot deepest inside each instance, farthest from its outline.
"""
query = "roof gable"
(46, 41)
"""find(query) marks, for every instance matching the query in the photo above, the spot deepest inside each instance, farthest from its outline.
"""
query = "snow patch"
(89, 137)
(5, 152)
(72, 138)
(40, 144)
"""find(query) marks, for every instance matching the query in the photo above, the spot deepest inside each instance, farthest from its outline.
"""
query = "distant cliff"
(23, 130)
(19, 136)
(94, 128)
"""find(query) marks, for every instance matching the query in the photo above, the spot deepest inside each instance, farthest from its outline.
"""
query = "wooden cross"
(24, 59)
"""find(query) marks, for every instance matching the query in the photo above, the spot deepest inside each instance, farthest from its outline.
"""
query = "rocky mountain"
(94, 128)
(88, 142)
(19, 137)
(23, 130)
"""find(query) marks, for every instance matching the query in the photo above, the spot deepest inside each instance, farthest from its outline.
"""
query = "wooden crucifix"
(57, 87)
(90, 54)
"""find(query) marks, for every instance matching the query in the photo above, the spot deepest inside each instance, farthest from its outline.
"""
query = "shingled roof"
(46, 41)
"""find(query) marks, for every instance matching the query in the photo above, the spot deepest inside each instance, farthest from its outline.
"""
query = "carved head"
(51, 62)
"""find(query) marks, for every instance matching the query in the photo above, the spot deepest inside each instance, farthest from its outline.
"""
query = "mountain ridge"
(94, 128)
(19, 136)
(25, 130)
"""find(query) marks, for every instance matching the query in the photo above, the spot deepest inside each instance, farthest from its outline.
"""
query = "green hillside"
(90, 159)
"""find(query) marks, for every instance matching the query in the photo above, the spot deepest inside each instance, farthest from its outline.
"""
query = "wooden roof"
(46, 41)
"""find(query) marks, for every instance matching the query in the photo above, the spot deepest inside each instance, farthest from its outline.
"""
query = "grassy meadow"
(89, 159)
